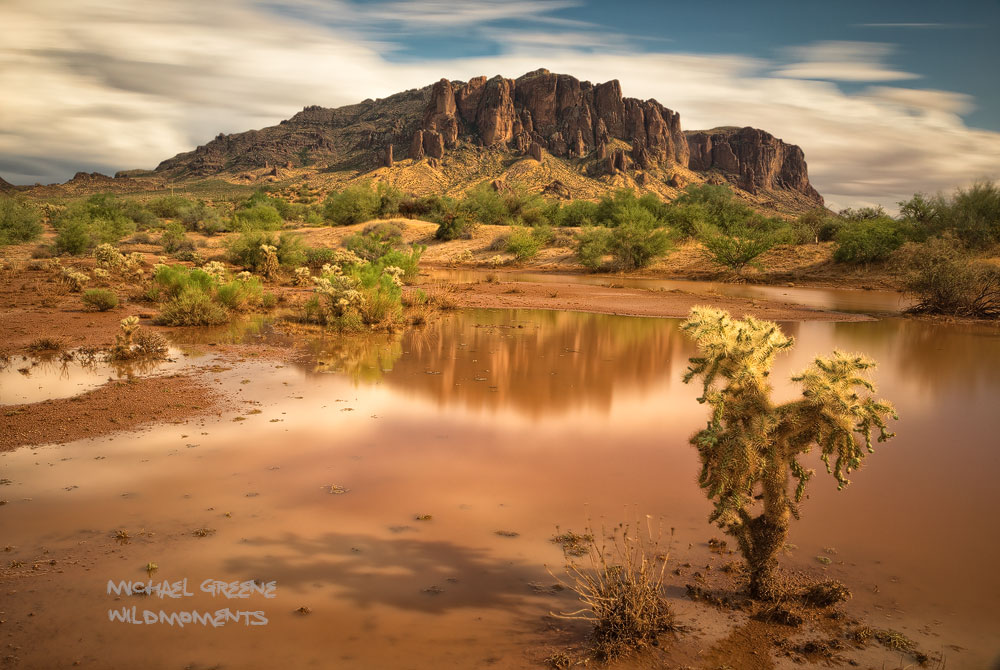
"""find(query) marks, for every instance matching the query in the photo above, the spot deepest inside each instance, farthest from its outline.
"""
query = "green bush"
(239, 295)
(19, 222)
(352, 205)
(370, 247)
(973, 215)
(637, 237)
(869, 240)
(192, 307)
(739, 246)
(706, 204)
(75, 237)
(174, 240)
(522, 243)
(577, 213)
(245, 250)
(454, 225)
(99, 219)
(407, 261)
(593, 244)
(99, 299)
(172, 280)
(257, 217)
(945, 279)
(169, 206)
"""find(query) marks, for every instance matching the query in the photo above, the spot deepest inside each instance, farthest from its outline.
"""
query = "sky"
(885, 98)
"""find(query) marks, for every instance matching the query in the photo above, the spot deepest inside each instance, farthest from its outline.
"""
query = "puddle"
(30, 379)
(487, 421)
(837, 299)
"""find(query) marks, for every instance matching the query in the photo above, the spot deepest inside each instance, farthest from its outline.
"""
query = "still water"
(488, 420)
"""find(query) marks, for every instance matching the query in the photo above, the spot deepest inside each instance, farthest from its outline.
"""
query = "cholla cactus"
(342, 257)
(243, 276)
(302, 276)
(215, 270)
(269, 267)
(75, 279)
(463, 257)
(101, 273)
(750, 448)
(394, 273)
(113, 261)
(132, 343)
(497, 261)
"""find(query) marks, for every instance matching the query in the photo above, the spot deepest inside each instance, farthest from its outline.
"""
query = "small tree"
(751, 447)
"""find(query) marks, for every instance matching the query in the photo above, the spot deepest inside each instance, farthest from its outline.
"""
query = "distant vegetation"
(19, 222)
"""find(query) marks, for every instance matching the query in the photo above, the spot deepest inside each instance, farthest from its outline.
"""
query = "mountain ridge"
(544, 131)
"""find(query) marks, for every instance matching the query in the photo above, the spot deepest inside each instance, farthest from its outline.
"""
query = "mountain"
(542, 130)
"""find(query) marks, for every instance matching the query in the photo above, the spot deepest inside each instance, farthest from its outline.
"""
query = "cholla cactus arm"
(838, 413)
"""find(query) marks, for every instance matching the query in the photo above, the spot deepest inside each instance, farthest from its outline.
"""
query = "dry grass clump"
(825, 594)
(45, 345)
(622, 589)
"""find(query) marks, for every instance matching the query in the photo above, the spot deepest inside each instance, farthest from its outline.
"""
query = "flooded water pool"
(500, 426)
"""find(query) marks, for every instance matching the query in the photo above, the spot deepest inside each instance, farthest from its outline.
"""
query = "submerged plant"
(751, 447)
(133, 343)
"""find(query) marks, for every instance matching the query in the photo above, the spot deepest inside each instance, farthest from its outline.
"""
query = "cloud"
(111, 86)
(841, 61)
(913, 25)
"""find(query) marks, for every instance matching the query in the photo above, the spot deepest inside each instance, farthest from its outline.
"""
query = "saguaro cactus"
(751, 447)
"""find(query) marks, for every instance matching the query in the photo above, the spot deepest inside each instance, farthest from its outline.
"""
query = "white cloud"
(842, 61)
(112, 86)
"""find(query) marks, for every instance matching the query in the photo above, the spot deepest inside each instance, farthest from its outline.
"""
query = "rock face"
(593, 126)
(568, 117)
(5, 186)
(757, 159)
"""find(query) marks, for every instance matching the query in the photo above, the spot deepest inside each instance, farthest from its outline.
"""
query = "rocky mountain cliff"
(450, 133)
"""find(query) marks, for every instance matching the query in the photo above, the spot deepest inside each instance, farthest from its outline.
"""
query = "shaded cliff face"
(757, 159)
(605, 137)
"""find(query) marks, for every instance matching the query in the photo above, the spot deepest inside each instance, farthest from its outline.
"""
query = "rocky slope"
(448, 136)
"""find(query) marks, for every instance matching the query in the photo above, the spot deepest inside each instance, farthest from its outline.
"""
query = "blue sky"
(885, 98)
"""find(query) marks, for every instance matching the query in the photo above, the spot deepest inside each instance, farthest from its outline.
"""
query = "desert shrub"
(19, 222)
(578, 213)
(637, 237)
(389, 230)
(241, 294)
(363, 297)
(134, 343)
(739, 246)
(869, 240)
(317, 257)
(484, 204)
(622, 588)
(522, 243)
(972, 214)
(809, 225)
(454, 225)
(75, 237)
(172, 280)
(352, 205)
(407, 261)
(100, 218)
(370, 247)
(389, 199)
(99, 299)
(705, 204)
(245, 250)
(256, 218)
(593, 244)
(945, 279)
(174, 240)
(191, 307)
(169, 206)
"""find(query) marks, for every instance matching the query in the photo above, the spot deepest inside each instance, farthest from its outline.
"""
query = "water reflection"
(30, 379)
(535, 362)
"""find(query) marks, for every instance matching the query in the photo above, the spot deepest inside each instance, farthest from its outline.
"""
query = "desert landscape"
(505, 372)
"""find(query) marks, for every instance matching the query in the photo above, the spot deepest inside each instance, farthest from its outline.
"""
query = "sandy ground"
(117, 406)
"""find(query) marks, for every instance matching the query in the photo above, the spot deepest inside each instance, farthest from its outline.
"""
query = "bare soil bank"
(115, 407)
